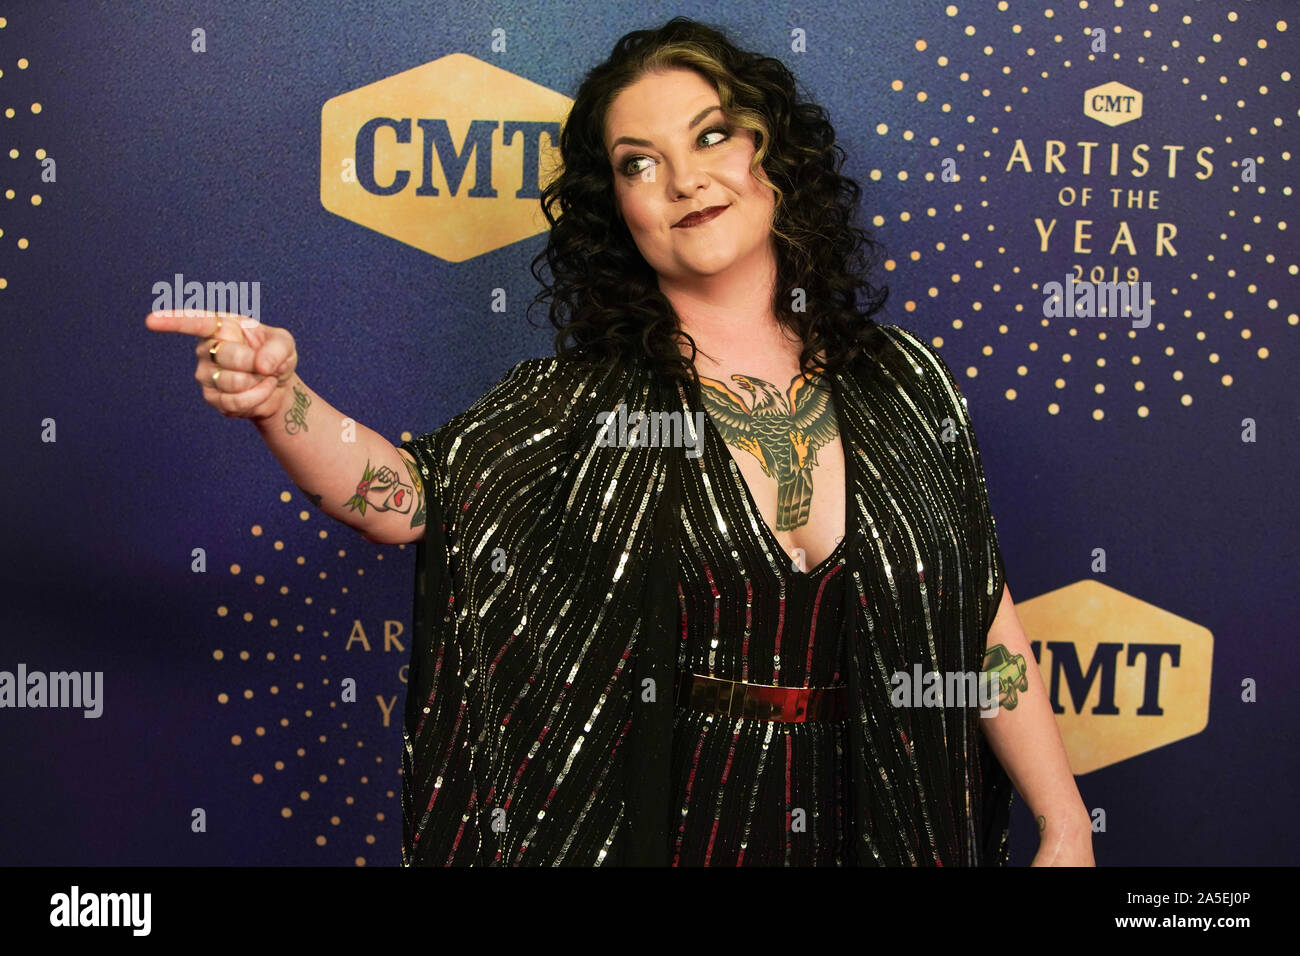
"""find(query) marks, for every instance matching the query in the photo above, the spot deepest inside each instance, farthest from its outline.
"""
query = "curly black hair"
(605, 296)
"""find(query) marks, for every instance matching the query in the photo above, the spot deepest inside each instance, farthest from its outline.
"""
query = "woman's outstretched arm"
(248, 369)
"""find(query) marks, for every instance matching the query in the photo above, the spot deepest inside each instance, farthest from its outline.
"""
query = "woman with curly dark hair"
(623, 282)
(719, 583)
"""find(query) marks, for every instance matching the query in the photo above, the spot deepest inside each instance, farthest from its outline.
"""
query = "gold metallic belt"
(762, 701)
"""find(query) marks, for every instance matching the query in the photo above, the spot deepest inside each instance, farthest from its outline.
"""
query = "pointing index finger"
(200, 323)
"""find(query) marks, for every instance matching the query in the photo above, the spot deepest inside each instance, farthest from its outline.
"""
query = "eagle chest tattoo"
(783, 430)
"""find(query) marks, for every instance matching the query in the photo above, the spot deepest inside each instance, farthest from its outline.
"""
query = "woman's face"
(686, 158)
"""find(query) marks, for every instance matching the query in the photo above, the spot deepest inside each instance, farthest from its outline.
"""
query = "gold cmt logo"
(1123, 676)
(1112, 103)
(449, 157)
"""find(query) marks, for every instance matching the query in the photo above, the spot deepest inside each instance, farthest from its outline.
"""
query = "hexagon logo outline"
(449, 157)
(1112, 104)
(1124, 677)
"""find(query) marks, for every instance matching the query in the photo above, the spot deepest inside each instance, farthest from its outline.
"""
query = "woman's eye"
(725, 134)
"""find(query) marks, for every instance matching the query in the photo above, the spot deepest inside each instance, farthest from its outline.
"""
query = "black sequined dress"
(752, 791)
(551, 588)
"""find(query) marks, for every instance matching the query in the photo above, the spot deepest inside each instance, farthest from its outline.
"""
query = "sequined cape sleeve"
(960, 443)
(519, 423)
(949, 406)
(529, 602)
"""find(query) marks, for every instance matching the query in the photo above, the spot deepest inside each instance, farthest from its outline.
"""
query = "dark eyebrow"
(645, 142)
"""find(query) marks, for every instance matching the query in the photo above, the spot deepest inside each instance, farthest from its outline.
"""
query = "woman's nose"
(687, 178)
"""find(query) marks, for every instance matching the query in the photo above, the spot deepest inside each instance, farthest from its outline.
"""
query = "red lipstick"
(701, 216)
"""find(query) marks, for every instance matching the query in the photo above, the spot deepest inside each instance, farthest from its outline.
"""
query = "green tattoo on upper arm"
(1011, 673)
(382, 489)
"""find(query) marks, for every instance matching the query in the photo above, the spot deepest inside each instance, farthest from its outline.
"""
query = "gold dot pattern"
(27, 175)
(1007, 72)
(254, 654)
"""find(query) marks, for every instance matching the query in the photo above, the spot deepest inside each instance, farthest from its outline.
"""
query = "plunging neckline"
(739, 479)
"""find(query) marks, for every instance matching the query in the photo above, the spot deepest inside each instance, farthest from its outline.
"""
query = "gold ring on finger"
(212, 351)
(214, 377)
(217, 331)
